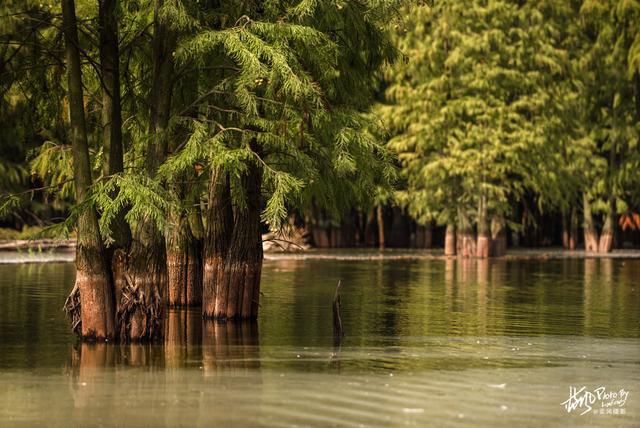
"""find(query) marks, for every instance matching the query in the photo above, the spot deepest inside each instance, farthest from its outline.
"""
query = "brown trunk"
(380, 219)
(573, 235)
(605, 245)
(466, 241)
(142, 308)
(566, 232)
(184, 256)
(450, 241)
(111, 110)
(178, 240)
(243, 264)
(219, 216)
(112, 146)
(484, 239)
(93, 279)
(590, 232)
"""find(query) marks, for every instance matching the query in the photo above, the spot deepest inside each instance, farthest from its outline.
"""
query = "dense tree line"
(505, 108)
(169, 135)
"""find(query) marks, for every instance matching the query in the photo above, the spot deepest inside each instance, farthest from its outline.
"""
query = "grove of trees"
(169, 135)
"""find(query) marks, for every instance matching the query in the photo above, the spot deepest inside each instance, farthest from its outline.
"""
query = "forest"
(169, 137)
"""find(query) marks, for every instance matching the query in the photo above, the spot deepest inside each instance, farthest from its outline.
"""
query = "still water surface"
(428, 342)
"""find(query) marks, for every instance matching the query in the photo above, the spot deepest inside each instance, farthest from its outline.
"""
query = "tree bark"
(574, 226)
(605, 245)
(219, 229)
(484, 238)
(380, 219)
(450, 240)
(184, 252)
(243, 264)
(112, 145)
(141, 314)
(566, 229)
(93, 280)
(589, 228)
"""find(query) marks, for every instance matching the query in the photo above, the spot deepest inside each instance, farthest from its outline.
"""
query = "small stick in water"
(338, 332)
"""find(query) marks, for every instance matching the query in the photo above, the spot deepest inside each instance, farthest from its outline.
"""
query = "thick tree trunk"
(112, 145)
(243, 264)
(93, 279)
(184, 254)
(380, 220)
(219, 215)
(450, 240)
(177, 259)
(142, 309)
(589, 228)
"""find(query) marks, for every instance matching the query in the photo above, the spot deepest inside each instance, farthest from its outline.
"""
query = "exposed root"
(133, 302)
(72, 309)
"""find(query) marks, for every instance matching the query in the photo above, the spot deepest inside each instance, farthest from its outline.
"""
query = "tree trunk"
(217, 239)
(243, 264)
(177, 259)
(574, 226)
(450, 240)
(590, 232)
(184, 252)
(498, 237)
(380, 219)
(93, 280)
(465, 239)
(484, 238)
(605, 245)
(141, 313)
(566, 229)
(112, 134)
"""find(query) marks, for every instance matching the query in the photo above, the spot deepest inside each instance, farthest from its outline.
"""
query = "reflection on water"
(444, 342)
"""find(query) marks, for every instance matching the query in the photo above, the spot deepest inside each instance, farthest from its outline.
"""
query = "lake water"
(428, 342)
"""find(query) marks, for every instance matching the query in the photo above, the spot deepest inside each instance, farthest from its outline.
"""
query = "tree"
(93, 279)
(465, 114)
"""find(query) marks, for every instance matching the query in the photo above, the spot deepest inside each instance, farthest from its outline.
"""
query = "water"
(428, 342)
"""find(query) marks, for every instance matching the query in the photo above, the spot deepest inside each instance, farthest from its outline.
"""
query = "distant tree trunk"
(141, 316)
(219, 228)
(608, 228)
(450, 240)
(566, 229)
(243, 265)
(424, 236)
(498, 237)
(605, 245)
(465, 241)
(112, 145)
(589, 228)
(380, 219)
(573, 232)
(93, 280)
(484, 237)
